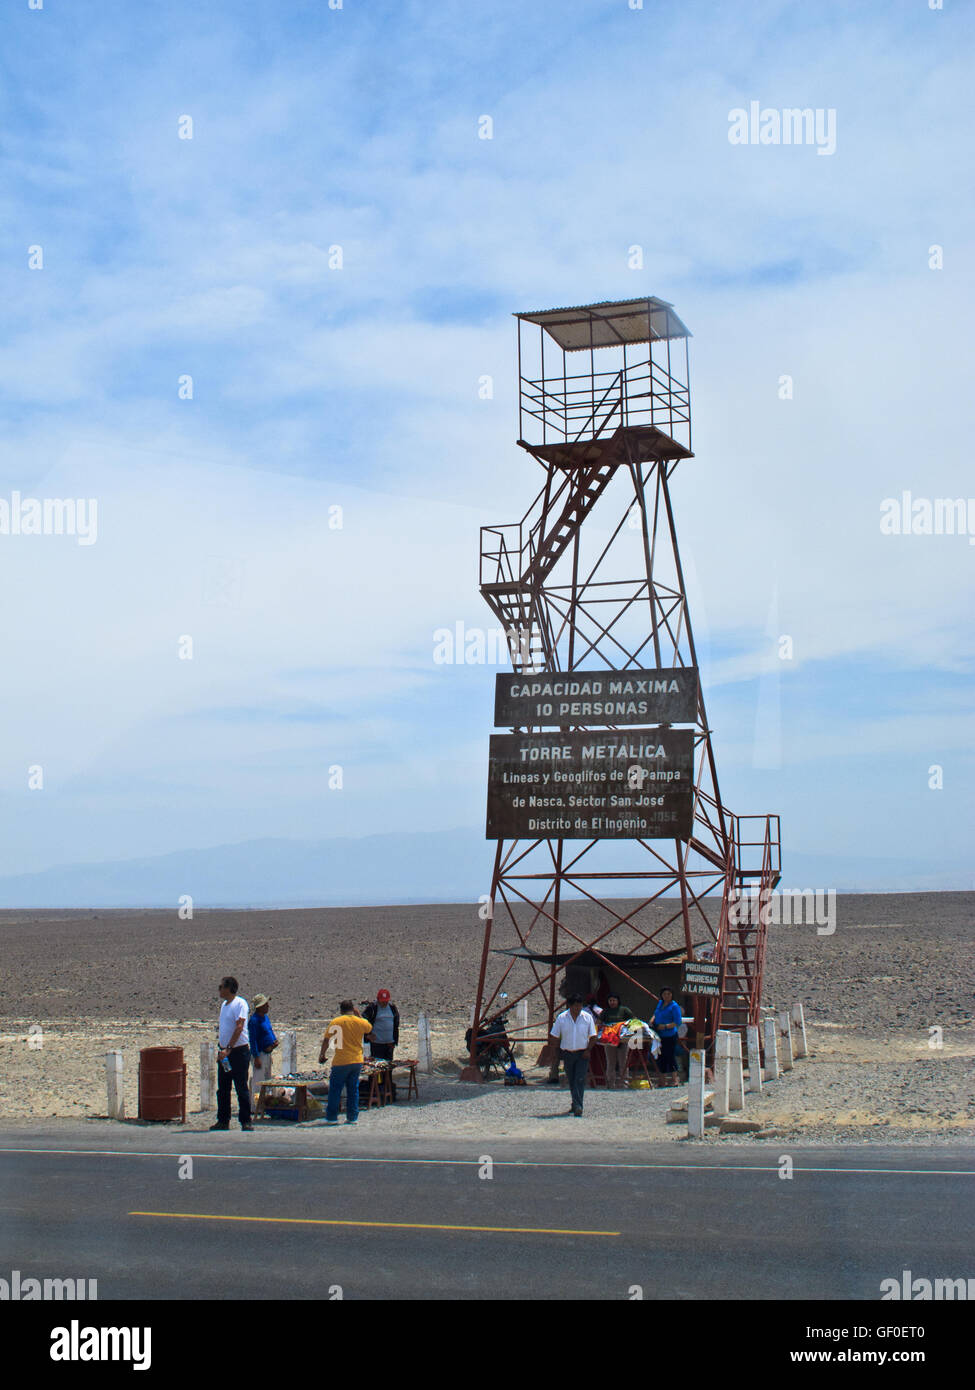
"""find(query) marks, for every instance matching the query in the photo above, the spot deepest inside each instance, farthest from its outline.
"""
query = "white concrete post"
(799, 1023)
(754, 1060)
(289, 1053)
(771, 1051)
(522, 1017)
(208, 1076)
(695, 1095)
(736, 1076)
(785, 1029)
(424, 1051)
(722, 1067)
(113, 1077)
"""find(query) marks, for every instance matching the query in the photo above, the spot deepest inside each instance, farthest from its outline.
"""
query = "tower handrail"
(598, 406)
(575, 406)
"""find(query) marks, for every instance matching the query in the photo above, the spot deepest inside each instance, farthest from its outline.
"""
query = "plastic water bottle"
(225, 1063)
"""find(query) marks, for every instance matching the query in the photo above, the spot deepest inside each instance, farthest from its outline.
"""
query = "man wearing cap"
(384, 1017)
(263, 1042)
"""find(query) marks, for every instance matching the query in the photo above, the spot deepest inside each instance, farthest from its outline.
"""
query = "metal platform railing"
(591, 404)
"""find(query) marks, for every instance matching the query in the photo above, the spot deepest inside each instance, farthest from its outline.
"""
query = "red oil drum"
(162, 1084)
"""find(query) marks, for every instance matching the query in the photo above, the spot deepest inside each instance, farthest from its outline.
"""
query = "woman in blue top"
(667, 1019)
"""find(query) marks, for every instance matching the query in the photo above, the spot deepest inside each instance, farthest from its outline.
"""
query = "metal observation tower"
(617, 864)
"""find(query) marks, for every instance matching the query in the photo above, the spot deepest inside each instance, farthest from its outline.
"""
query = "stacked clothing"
(636, 1028)
(610, 1035)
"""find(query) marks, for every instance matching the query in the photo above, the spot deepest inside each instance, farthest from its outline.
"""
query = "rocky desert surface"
(888, 999)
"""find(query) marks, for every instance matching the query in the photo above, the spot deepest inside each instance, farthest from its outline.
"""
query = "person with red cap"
(384, 1017)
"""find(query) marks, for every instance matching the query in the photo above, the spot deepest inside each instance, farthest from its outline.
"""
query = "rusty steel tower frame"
(604, 411)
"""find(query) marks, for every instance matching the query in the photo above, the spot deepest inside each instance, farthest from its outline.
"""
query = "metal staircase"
(516, 559)
(586, 490)
(528, 640)
(743, 926)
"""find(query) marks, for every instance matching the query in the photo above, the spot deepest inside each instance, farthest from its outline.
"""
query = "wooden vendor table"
(377, 1078)
(409, 1064)
(376, 1088)
(296, 1109)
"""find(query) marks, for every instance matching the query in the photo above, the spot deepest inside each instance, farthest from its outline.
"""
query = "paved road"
(295, 1223)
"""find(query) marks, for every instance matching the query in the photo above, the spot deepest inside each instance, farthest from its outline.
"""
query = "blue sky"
(315, 387)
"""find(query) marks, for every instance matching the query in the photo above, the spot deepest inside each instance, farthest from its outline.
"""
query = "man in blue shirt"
(667, 1018)
(262, 1041)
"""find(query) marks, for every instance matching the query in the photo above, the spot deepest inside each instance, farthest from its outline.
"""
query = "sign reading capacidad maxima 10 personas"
(634, 785)
(667, 696)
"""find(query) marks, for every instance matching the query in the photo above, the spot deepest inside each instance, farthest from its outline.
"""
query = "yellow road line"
(385, 1225)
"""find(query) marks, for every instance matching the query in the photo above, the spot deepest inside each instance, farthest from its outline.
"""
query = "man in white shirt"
(574, 1030)
(233, 1058)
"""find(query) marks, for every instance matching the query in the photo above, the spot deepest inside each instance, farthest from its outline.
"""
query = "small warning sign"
(701, 977)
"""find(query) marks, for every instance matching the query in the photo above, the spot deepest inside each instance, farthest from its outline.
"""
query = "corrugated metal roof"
(610, 323)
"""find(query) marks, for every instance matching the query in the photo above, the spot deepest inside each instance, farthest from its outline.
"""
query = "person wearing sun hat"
(384, 1017)
(262, 1041)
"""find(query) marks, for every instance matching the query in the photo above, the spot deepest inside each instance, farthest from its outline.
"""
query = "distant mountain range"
(428, 867)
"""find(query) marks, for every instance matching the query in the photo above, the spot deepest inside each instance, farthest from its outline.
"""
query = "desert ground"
(888, 1000)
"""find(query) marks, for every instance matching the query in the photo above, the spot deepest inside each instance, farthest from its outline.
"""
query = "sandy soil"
(897, 966)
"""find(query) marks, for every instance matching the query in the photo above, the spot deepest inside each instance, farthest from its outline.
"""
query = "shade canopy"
(596, 958)
(609, 324)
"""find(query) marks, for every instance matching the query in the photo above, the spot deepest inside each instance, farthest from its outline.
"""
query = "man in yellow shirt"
(348, 1028)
